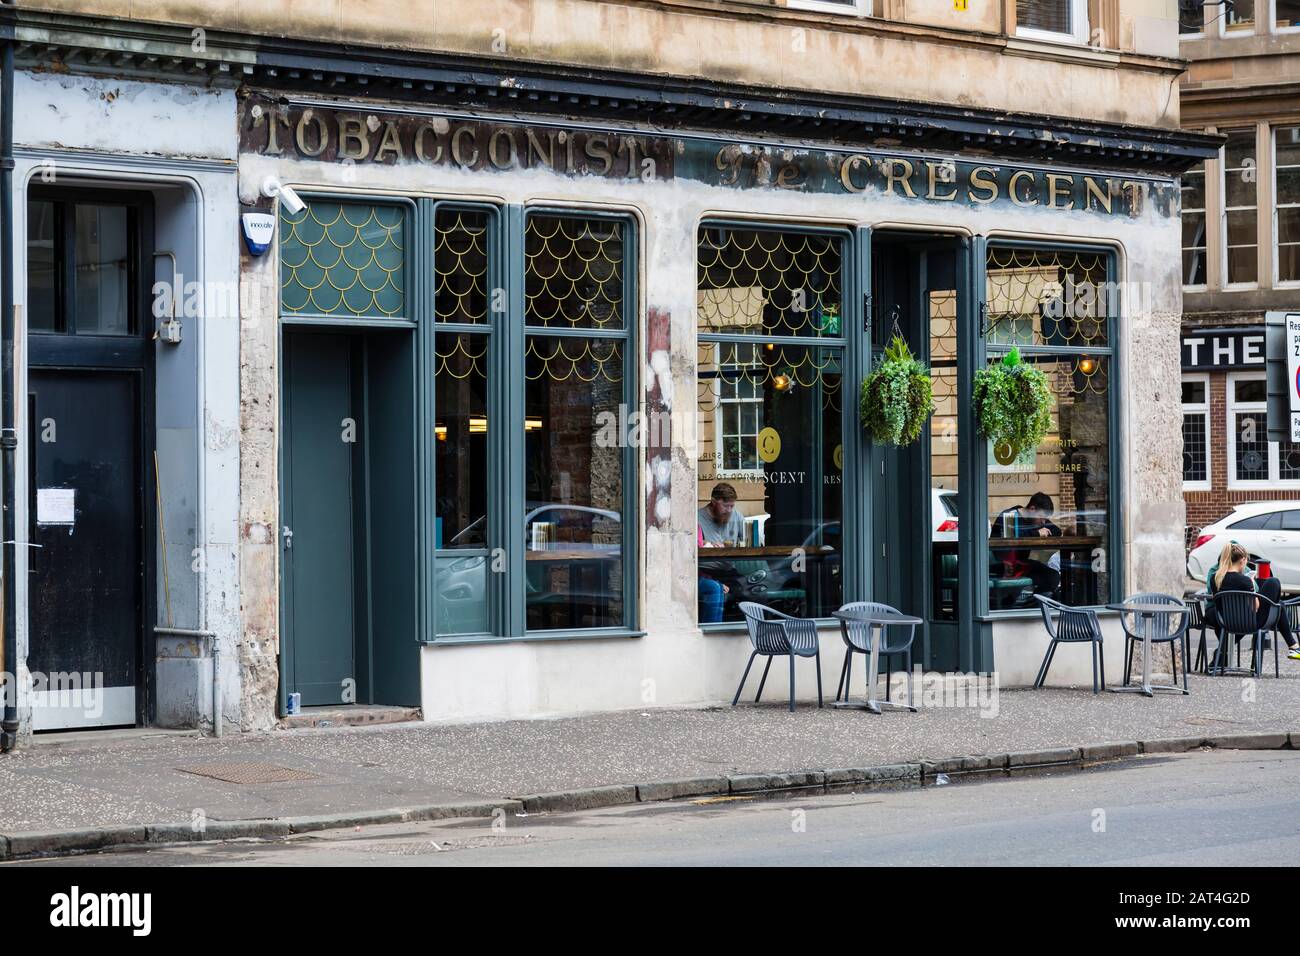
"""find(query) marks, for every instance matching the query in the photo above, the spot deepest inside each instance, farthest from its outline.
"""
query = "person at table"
(1031, 520)
(1229, 574)
(722, 524)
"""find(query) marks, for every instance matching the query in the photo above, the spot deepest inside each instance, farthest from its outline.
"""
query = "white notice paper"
(56, 505)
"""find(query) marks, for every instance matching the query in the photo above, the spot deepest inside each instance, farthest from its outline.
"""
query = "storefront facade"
(573, 280)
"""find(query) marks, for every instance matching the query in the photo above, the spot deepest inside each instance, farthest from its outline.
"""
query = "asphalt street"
(1221, 808)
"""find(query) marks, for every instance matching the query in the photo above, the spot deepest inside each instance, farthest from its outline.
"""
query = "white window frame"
(1224, 209)
(1232, 409)
(1272, 21)
(1278, 282)
(856, 8)
(1205, 213)
(1201, 408)
(1254, 24)
(718, 431)
(1078, 34)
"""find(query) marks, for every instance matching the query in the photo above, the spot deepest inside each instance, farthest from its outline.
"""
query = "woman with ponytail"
(1229, 574)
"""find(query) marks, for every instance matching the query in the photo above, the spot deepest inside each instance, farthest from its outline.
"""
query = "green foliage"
(896, 397)
(1013, 404)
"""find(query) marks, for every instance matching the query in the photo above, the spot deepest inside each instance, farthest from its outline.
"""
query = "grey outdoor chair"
(1168, 629)
(774, 634)
(1199, 618)
(1238, 617)
(857, 640)
(1072, 625)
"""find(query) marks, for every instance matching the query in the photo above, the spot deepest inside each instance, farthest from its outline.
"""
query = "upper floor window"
(1191, 17)
(860, 8)
(1239, 17)
(1240, 213)
(1286, 15)
(1194, 247)
(1060, 20)
(1286, 169)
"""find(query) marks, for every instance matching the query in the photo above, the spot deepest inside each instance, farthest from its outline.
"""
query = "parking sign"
(1293, 370)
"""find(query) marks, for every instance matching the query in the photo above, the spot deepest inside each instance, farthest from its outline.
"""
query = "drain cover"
(249, 772)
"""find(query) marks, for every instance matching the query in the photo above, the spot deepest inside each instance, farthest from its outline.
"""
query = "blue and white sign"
(259, 229)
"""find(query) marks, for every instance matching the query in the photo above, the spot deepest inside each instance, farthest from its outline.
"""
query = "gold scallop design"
(573, 272)
(1047, 297)
(460, 263)
(343, 259)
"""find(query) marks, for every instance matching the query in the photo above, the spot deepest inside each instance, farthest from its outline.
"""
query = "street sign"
(1293, 370)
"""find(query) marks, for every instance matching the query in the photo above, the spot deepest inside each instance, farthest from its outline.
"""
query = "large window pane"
(772, 533)
(460, 257)
(1050, 16)
(1240, 178)
(1191, 16)
(1194, 242)
(43, 267)
(573, 523)
(764, 282)
(1049, 507)
(343, 259)
(1194, 447)
(1287, 13)
(943, 455)
(1287, 166)
(1239, 17)
(461, 464)
(102, 261)
(1047, 297)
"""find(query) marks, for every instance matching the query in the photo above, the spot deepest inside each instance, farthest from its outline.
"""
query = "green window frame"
(993, 345)
(520, 312)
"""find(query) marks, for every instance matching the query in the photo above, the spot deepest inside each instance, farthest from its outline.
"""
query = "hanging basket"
(896, 397)
(1013, 404)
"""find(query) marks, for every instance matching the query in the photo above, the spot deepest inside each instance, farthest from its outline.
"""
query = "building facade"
(488, 303)
(1241, 249)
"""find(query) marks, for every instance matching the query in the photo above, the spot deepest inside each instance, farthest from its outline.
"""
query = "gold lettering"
(390, 143)
(846, 173)
(322, 134)
(494, 154)
(1135, 193)
(933, 193)
(353, 130)
(536, 150)
(789, 176)
(273, 119)
(456, 154)
(891, 176)
(597, 147)
(420, 154)
(632, 146)
(1055, 190)
(978, 182)
(728, 163)
(1094, 191)
(1011, 189)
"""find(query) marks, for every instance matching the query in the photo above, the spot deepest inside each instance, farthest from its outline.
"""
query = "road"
(1205, 808)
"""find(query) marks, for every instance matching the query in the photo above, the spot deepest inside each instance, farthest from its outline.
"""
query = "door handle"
(287, 534)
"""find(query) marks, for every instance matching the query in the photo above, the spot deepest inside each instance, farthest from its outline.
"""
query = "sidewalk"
(352, 770)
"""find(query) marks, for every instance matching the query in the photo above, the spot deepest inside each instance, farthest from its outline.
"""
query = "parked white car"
(1270, 529)
(943, 514)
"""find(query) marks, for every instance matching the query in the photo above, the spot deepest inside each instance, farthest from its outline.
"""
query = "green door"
(318, 541)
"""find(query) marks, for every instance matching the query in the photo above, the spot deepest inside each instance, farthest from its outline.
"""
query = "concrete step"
(351, 715)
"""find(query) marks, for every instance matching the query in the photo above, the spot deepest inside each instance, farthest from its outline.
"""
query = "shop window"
(1286, 166)
(1238, 17)
(1241, 235)
(343, 260)
(1192, 186)
(1196, 432)
(770, 404)
(1049, 507)
(861, 8)
(1253, 460)
(1059, 20)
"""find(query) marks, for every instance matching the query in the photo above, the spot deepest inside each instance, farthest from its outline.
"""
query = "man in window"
(722, 524)
(1032, 520)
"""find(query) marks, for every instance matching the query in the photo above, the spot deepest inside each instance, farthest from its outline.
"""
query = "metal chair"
(858, 641)
(1198, 619)
(1238, 617)
(774, 634)
(1170, 628)
(1073, 625)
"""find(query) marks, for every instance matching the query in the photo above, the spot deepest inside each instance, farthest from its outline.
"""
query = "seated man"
(721, 525)
(1032, 520)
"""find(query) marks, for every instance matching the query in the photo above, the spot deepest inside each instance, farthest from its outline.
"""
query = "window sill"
(738, 627)
(535, 636)
(1065, 49)
(1024, 614)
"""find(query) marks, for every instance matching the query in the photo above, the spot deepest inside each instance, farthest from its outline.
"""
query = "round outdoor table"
(876, 622)
(1146, 614)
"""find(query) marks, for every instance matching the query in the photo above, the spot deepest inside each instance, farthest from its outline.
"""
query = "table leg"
(1146, 654)
(874, 670)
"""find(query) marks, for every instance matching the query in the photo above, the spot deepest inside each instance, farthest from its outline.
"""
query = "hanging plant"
(1013, 404)
(897, 399)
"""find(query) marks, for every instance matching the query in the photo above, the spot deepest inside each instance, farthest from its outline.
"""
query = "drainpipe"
(8, 436)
